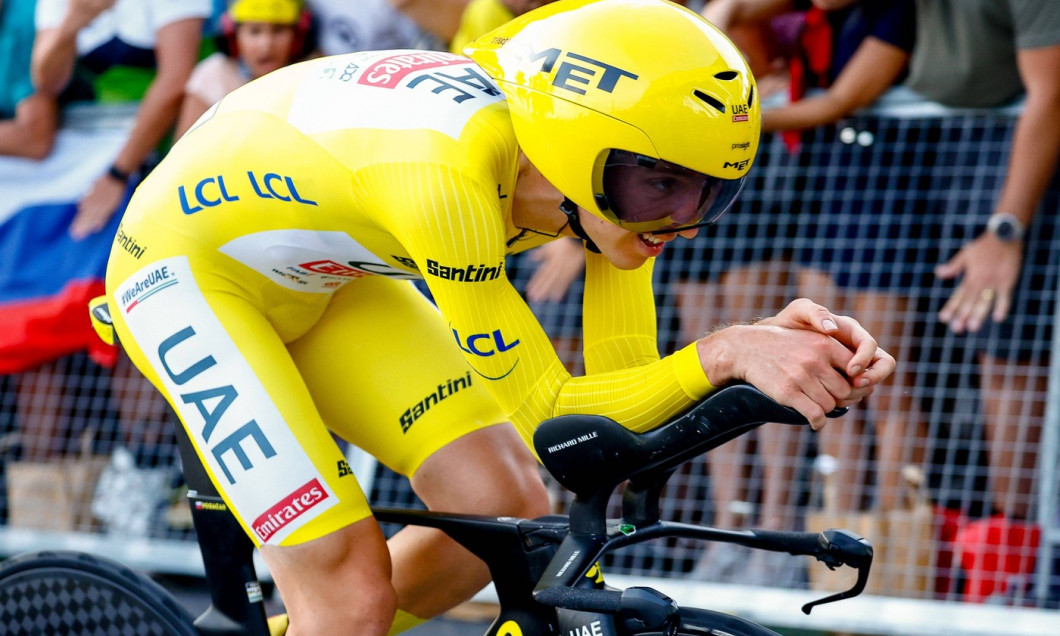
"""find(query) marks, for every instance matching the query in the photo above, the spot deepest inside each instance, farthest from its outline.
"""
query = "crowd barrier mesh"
(939, 468)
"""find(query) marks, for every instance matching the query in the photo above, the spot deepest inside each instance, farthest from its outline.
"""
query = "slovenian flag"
(46, 277)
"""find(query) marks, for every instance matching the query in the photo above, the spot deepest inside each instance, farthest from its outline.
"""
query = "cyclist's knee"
(525, 493)
(512, 483)
(490, 471)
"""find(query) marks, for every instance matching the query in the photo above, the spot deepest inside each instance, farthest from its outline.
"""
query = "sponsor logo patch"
(487, 345)
(579, 73)
(466, 274)
(407, 262)
(216, 506)
(419, 409)
(234, 423)
(389, 71)
(332, 268)
(128, 243)
(144, 285)
(289, 509)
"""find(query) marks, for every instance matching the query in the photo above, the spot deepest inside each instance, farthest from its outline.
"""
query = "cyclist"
(259, 279)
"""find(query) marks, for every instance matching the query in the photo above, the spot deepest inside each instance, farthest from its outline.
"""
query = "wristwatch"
(118, 174)
(1007, 227)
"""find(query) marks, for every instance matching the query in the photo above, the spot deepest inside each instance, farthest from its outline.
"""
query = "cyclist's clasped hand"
(805, 357)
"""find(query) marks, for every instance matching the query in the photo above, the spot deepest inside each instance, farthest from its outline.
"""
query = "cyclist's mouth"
(652, 242)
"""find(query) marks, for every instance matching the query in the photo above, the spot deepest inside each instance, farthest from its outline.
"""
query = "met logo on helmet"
(576, 73)
(739, 165)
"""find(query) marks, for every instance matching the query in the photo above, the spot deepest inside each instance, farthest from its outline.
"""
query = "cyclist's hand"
(869, 365)
(805, 357)
(796, 367)
(989, 269)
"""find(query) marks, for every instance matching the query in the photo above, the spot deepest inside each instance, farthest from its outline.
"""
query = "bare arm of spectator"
(726, 14)
(559, 262)
(988, 267)
(176, 52)
(55, 50)
(191, 109)
(747, 22)
(440, 18)
(869, 73)
(31, 133)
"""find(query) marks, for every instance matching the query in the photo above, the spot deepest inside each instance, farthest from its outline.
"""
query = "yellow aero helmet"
(598, 87)
(268, 11)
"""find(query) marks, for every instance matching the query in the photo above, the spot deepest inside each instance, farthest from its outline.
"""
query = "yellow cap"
(270, 11)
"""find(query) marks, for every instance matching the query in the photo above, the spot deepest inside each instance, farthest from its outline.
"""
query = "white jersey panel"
(233, 421)
(308, 260)
(371, 89)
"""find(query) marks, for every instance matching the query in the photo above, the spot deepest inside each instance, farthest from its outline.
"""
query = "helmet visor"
(644, 194)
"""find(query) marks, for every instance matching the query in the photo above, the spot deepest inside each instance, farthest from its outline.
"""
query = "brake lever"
(843, 547)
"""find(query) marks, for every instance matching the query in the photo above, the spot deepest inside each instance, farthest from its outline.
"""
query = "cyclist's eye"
(664, 185)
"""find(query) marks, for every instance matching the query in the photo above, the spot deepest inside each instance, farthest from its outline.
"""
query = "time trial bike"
(546, 571)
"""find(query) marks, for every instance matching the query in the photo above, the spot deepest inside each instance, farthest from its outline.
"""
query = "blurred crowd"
(871, 219)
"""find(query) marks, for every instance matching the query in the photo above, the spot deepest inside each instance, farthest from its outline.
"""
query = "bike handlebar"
(590, 453)
(834, 548)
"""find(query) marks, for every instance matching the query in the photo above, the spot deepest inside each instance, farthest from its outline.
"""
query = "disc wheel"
(64, 593)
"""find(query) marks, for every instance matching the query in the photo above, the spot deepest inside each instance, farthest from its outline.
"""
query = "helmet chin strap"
(570, 208)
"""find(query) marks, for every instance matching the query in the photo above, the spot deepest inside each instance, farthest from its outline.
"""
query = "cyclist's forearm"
(619, 318)
(640, 399)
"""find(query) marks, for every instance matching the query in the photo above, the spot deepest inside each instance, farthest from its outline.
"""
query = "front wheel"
(701, 622)
(78, 594)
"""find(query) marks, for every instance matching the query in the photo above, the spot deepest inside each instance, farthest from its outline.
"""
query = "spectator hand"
(559, 263)
(96, 208)
(720, 13)
(989, 270)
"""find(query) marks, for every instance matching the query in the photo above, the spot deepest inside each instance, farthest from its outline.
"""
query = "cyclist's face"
(650, 195)
(642, 194)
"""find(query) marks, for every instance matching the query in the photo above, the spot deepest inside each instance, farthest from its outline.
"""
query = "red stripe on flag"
(40, 330)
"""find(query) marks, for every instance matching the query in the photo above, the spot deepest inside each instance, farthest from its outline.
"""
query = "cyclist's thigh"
(201, 339)
(386, 374)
